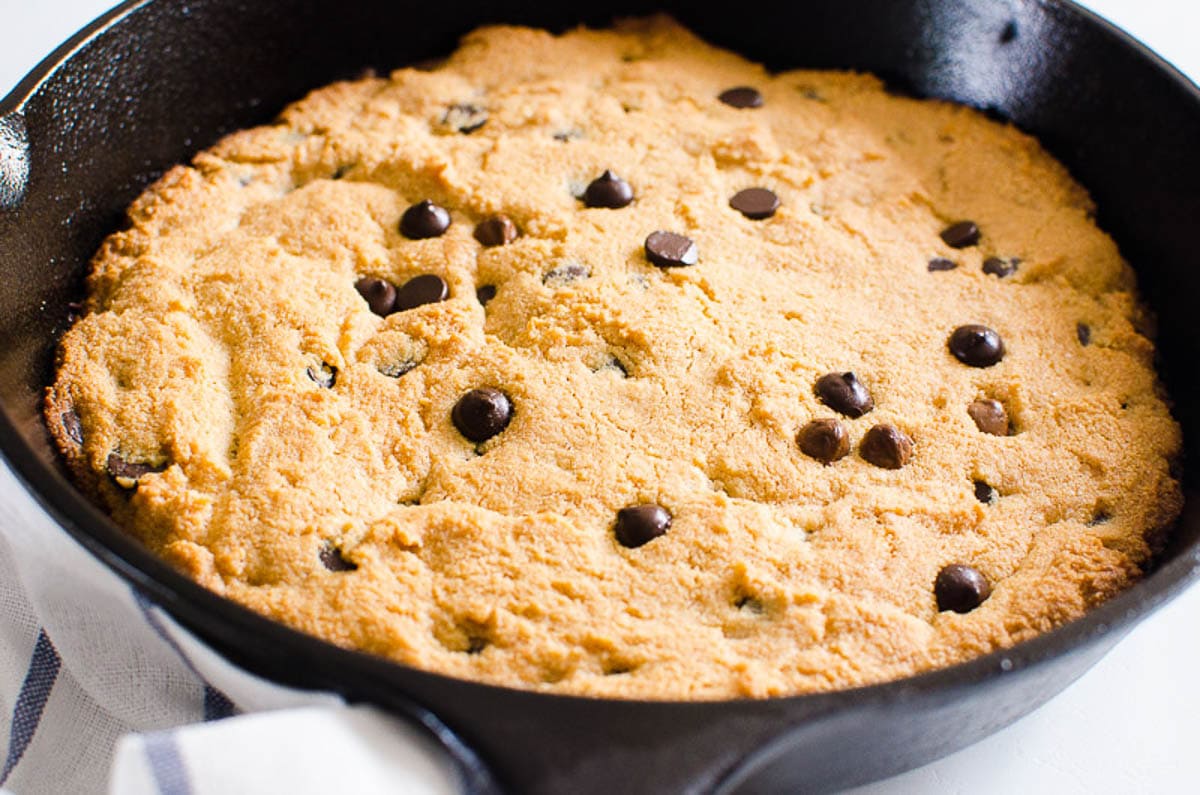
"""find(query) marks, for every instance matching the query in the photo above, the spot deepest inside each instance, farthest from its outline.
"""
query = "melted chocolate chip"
(755, 203)
(498, 230)
(465, 117)
(670, 250)
(333, 559)
(640, 524)
(976, 346)
(427, 288)
(424, 220)
(990, 417)
(845, 394)
(886, 446)
(608, 190)
(485, 294)
(482, 413)
(960, 588)
(379, 294)
(996, 266)
(324, 376)
(985, 493)
(826, 440)
(127, 473)
(1084, 333)
(397, 370)
(941, 264)
(742, 97)
(961, 235)
(71, 426)
(565, 275)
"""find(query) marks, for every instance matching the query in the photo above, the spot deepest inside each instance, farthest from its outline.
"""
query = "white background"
(1132, 724)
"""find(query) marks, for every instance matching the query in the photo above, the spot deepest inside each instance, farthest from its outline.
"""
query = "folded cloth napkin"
(106, 693)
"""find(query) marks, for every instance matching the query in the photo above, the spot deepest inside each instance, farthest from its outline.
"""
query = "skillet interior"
(168, 77)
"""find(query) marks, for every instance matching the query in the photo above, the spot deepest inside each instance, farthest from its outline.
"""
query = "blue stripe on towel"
(166, 764)
(217, 705)
(43, 671)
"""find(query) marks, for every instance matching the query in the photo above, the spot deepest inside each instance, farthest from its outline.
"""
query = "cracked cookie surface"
(755, 455)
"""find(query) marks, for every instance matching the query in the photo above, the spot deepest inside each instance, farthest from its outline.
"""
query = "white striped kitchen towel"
(103, 692)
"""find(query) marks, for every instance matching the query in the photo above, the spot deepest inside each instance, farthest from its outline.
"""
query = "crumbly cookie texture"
(242, 397)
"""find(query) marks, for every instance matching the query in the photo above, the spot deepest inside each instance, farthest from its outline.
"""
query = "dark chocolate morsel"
(996, 266)
(608, 190)
(671, 250)
(497, 230)
(424, 220)
(379, 294)
(960, 588)
(465, 117)
(942, 264)
(482, 413)
(990, 417)
(485, 294)
(985, 493)
(755, 203)
(1084, 333)
(427, 288)
(845, 394)
(886, 446)
(565, 275)
(641, 524)
(127, 473)
(397, 369)
(826, 440)
(324, 376)
(71, 426)
(961, 235)
(333, 559)
(976, 346)
(742, 97)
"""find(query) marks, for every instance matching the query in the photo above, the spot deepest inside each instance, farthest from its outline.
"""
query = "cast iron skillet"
(156, 80)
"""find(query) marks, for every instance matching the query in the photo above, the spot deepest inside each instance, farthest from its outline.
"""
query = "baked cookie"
(609, 363)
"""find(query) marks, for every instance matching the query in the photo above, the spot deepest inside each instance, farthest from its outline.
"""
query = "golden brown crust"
(779, 574)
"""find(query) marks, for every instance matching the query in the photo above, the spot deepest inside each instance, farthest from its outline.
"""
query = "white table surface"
(1129, 725)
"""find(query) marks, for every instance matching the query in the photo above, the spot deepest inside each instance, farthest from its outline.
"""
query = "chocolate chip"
(424, 220)
(485, 294)
(960, 588)
(379, 294)
(71, 426)
(1100, 516)
(669, 250)
(995, 266)
(332, 558)
(1084, 332)
(985, 493)
(565, 275)
(498, 230)
(324, 376)
(961, 235)
(482, 413)
(427, 288)
(608, 190)
(755, 203)
(741, 97)
(886, 446)
(942, 264)
(845, 394)
(127, 473)
(990, 417)
(465, 117)
(613, 365)
(566, 136)
(976, 346)
(396, 370)
(826, 440)
(641, 524)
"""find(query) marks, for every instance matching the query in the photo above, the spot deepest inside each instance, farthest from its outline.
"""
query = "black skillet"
(157, 80)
